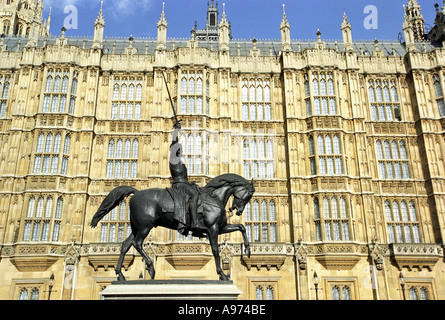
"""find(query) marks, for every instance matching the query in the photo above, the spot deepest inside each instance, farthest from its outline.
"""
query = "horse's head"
(242, 196)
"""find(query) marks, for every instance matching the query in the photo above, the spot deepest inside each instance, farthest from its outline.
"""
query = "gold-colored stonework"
(344, 141)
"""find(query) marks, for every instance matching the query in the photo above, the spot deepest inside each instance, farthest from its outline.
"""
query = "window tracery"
(58, 96)
(439, 95)
(320, 96)
(260, 218)
(5, 82)
(127, 98)
(192, 93)
(43, 218)
(122, 158)
(258, 157)
(402, 222)
(392, 159)
(332, 219)
(49, 152)
(384, 99)
(326, 156)
(256, 100)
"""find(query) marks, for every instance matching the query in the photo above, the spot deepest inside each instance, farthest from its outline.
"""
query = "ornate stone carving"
(301, 254)
(34, 257)
(335, 256)
(186, 256)
(106, 255)
(377, 253)
(411, 256)
(267, 255)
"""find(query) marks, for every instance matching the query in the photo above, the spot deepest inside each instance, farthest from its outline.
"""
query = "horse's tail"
(110, 202)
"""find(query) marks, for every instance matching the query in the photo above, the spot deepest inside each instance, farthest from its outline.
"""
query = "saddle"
(173, 199)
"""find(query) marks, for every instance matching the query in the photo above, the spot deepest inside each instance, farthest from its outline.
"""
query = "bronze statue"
(155, 207)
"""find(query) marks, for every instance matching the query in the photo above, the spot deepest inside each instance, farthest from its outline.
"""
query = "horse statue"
(155, 207)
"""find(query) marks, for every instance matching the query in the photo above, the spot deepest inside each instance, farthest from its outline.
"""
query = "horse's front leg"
(238, 227)
(213, 238)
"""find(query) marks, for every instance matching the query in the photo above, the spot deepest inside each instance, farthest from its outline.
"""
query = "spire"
(347, 34)
(223, 19)
(284, 22)
(285, 32)
(100, 18)
(162, 31)
(162, 20)
(345, 24)
(48, 22)
(224, 31)
(99, 27)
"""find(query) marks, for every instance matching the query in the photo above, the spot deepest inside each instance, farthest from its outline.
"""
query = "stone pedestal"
(171, 290)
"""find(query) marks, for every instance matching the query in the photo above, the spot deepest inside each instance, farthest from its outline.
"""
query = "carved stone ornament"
(416, 256)
(186, 256)
(301, 254)
(338, 256)
(72, 253)
(270, 255)
(377, 252)
(106, 256)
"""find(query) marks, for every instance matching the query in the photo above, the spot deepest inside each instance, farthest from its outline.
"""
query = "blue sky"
(249, 18)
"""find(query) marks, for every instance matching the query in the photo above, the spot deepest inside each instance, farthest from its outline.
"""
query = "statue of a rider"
(187, 194)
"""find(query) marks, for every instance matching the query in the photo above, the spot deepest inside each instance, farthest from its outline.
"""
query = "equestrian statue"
(184, 207)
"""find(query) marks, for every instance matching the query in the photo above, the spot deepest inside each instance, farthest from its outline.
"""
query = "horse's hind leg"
(138, 242)
(124, 249)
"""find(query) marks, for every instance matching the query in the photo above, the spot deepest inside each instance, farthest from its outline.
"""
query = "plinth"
(171, 290)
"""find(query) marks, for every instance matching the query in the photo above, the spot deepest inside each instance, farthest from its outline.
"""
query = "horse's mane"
(229, 178)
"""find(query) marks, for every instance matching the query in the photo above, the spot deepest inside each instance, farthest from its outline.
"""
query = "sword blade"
(170, 97)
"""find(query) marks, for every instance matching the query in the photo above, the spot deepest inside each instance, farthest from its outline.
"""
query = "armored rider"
(184, 189)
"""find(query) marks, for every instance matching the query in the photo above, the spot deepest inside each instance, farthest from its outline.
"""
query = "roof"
(237, 46)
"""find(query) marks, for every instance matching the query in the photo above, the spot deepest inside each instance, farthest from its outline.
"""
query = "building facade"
(344, 141)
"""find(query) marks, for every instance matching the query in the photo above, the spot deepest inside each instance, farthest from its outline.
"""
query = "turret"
(409, 35)
(347, 33)
(285, 32)
(415, 19)
(224, 32)
(99, 27)
(162, 31)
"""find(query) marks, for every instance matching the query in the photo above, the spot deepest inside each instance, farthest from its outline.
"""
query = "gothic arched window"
(335, 221)
(261, 221)
(56, 97)
(402, 222)
(122, 158)
(43, 219)
(255, 97)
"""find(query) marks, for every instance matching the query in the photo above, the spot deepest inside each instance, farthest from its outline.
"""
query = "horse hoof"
(223, 277)
(121, 277)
